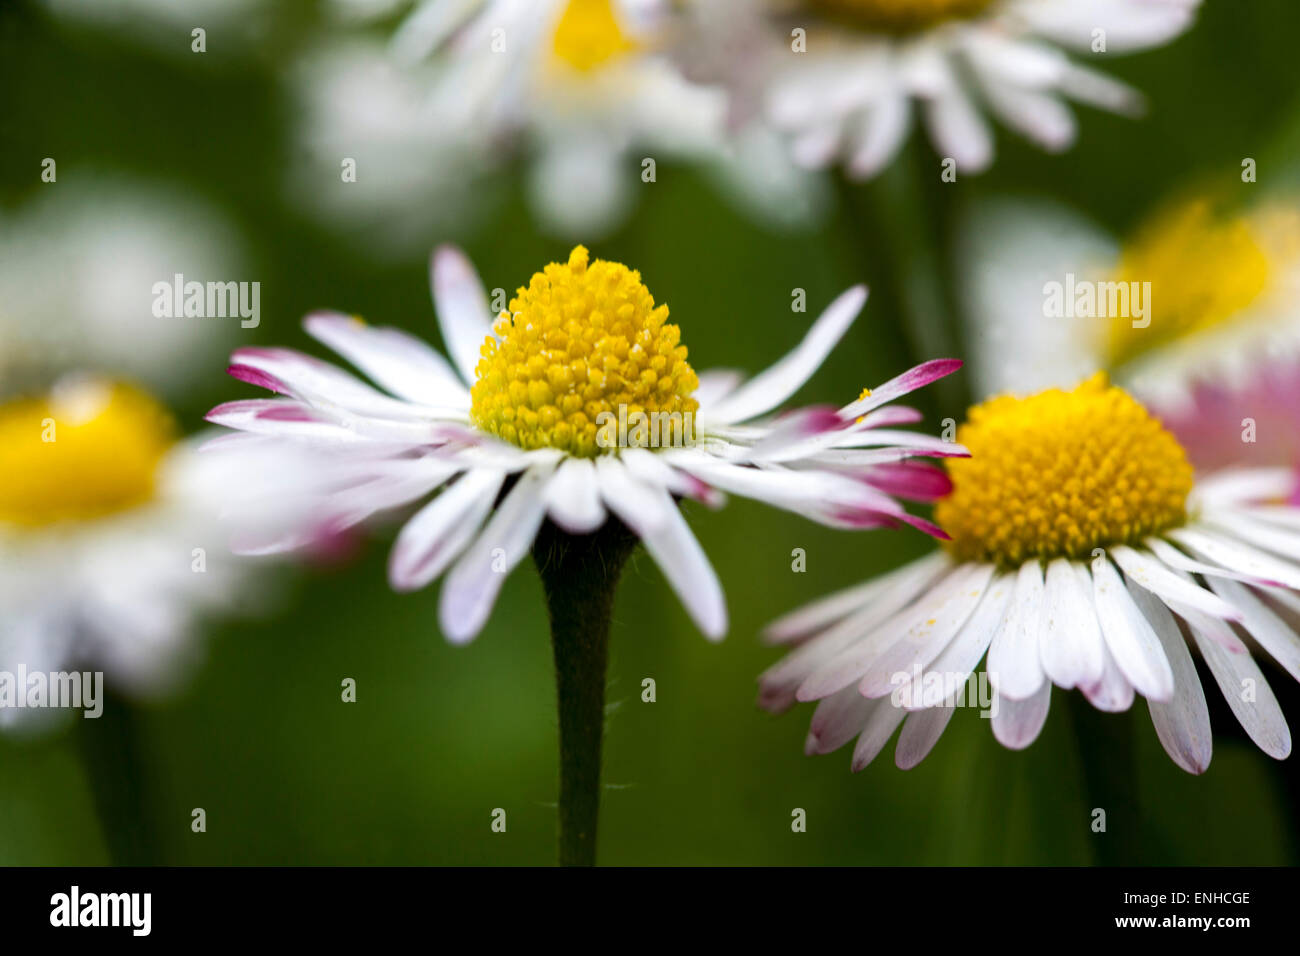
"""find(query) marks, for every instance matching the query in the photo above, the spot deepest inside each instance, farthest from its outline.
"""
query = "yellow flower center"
(1203, 270)
(82, 452)
(582, 339)
(898, 16)
(1061, 473)
(588, 35)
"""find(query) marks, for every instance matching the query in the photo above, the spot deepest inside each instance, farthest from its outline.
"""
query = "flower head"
(111, 540)
(571, 407)
(1082, 556)
(841, 77)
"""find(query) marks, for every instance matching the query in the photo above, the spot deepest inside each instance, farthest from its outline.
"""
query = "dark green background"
(440, 736)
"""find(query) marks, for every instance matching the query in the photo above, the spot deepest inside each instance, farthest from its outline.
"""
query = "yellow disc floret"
(898, 16)
(588, 35)
(1203, 270)
(81, 453)
(582, 338)
(1061, 473)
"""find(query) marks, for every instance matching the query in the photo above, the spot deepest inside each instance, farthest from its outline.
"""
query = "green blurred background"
(440, 736)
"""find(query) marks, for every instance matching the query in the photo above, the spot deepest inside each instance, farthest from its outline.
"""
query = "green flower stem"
(112, 753)
(580, 574)
(1109, 779)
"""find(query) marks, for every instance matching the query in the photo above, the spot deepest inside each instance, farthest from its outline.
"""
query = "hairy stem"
(580, 574)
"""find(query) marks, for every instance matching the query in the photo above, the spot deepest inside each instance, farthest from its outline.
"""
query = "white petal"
(462, 309)
(922, 643)
(401, 363)
(715, 385)
(473, 584)
(1281, 541)
(441, 529)
(1183, 722)
(1248, 695)
(958, 130)
(1071, 646)
(1243, 485)
(1129, 636)
(770, 388)
(1160, 581)
(1113, 693)
(780, 681)
(1270, 631)
(573, 497)
(1014, 665)
(653, 515)
(881, 724)
(1017, 723)
(320, 383)
(921, 731)
(1174, 558)
(849, 666)
(1038, 116)
(951, 670)
(838, 719)
(902, 582)
(1238, 557)
(886, 127)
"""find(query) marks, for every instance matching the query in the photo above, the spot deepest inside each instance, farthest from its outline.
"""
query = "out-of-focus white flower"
(112, 542)
(841, 77)
(378, 161)
(78, 266)
(1193, 313)
(585, 89)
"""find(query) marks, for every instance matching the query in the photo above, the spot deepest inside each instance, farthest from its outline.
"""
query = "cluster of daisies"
(760, 95)
(1077, 547)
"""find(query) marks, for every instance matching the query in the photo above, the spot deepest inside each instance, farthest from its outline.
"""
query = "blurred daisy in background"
(112, 545)
(1084, 555)
(841, 77)
(377, 160)
(1197, 314)
(520, 428)
(584, 90)
(78, 265)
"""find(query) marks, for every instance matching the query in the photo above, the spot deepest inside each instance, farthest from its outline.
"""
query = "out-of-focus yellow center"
(589, 36)
(583, 338)
(1203, 269)
(1060, 473)
(81, 453)
(898, 16)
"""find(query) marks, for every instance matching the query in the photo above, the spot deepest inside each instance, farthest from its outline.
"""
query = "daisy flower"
(1196, 314)
(588, 90)
(576, 405)
(111, 544)
(77, 268)
(1083, 555)
(841, 76)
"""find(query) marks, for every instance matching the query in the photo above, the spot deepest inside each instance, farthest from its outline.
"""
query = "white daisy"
(587, 90)
(78, 266)
(1083, 555)
(841, 76)
(1206, 333)
(522, 427)
(111, 543)
(1198, 297)
(379, 163)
